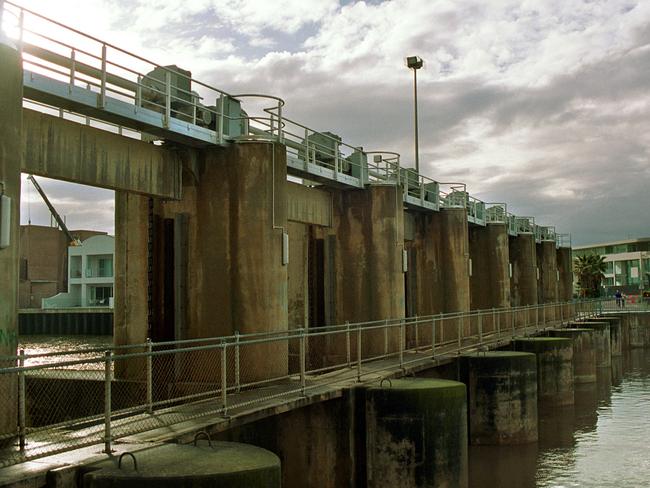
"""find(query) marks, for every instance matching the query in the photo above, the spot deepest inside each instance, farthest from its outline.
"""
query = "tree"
(590, 271)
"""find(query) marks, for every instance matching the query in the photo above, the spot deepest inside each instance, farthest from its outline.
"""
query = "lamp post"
(415, 63)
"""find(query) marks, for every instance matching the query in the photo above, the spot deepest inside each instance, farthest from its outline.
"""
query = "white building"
(90, 275)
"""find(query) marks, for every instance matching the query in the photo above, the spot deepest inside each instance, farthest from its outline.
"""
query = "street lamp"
(415, 63)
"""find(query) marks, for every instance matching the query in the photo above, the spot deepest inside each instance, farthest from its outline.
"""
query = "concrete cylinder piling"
(417, 434)
(602, 341)
(502, 396)
(554, 367)
(584, 353)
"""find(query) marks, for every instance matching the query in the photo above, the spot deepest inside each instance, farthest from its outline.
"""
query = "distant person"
(619, 298)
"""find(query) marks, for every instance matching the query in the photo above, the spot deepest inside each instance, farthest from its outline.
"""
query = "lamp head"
(414, 62)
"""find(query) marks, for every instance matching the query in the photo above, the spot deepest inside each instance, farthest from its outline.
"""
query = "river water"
(601, 441)
(44, 344)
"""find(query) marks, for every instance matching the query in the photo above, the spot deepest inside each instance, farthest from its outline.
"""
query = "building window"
(105, 267)
(101, 295)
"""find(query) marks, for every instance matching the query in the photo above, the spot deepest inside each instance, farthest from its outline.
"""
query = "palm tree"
(590, 271)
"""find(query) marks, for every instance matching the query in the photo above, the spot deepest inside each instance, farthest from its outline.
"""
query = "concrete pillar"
(502, 396)
(208, 463)
(523, 283)
(565, 284)
(602, 341)
(639, 330)
(454, 253)
(228, 272)
(369, 278)
(584, 353)
(426, 246)
(11, 154)
(554, 367)
(490, 280)
(417, 434)
(615, 339)
(547, 290)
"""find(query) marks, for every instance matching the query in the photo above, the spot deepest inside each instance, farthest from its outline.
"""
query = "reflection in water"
(601, 441)
(45, 344)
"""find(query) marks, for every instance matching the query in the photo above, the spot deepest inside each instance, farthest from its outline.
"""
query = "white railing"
(88, 396)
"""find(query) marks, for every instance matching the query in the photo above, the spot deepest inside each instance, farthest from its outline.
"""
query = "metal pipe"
(303, 360)
(224, 380)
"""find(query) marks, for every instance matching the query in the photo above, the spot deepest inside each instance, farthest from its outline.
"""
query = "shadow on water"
(600, 441)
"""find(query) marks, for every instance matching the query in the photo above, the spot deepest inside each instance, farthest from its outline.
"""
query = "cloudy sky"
(542, 104)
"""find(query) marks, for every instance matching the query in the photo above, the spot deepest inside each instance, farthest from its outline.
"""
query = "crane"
(74, 241)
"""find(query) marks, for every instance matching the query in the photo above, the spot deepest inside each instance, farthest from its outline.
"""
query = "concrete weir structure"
(256, 261)
(554, 367)
(11, 155)
(502, 396)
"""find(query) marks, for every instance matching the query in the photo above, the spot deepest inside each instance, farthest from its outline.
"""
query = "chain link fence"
(66, 400)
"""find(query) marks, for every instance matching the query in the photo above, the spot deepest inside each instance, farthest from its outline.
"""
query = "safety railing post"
(433, 338)
(21, 402)
(303, 360)
(21, 32)
(386, 337)
(224, 378)
(138, 92)
(544, 314)
(220, 122)
(512, 323)
(358, 353)
(108, 360)
(495, 324)
(459, 335)
(348, 351)
(280, 125)
(149, 377)
(417, 333)
(102, 88)
(306, 142)
(237, 363)
(480, 328)
(73, 69)
(402, 333)
(168, 99)
(336, 162)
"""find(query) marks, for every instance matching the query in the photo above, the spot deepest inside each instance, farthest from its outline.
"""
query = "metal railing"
(71, 399)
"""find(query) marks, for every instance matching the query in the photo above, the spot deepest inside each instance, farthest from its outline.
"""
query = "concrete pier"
(223, 464)
(523, 283)
(554, 367)
(11, 154)
(490, 280)
(547, 291)
(417, 434)
(624, 329)
(602, 341)
(584, 353)
(502, 396)
(455, 259)
(369, 235)
(565, 283)
(615, 335)
(639, 329)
